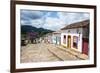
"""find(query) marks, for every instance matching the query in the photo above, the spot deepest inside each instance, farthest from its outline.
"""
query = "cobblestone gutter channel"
(61, 54)
(60, 59)
(75, 53)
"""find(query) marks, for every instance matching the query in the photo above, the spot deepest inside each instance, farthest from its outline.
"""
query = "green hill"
(28, 28)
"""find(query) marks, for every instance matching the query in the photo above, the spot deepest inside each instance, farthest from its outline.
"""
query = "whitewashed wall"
(54, 38)
(73, 32)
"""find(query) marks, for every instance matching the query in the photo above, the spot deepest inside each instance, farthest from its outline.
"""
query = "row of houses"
(74, 36)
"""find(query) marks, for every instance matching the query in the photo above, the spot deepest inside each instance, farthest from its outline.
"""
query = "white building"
(76, 36)
(56, 37)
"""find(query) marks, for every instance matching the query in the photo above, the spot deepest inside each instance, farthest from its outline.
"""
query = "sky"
(52, 20)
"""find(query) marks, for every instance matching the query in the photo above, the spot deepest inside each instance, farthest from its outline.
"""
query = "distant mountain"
(28, 28)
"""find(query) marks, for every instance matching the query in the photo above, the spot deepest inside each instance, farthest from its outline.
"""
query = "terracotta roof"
(84, 23)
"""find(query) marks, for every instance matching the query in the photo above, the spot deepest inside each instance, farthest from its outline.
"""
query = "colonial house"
(56, 37)
(47, 38)
(76, 36)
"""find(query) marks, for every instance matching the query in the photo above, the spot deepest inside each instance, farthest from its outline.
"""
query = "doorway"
(75, 42)
(85, 48)
(69, 42)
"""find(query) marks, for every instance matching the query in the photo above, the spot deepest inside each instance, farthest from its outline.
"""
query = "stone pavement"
(37, 53)
(74, 52)
(65, 56)
(43, 52)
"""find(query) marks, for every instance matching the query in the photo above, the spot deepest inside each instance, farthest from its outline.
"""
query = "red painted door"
(85, 47)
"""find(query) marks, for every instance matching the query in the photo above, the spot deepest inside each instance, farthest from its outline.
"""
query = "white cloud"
(31, 14)
(37, 23)
(64, 19)
(69, 18)
(52, 20)
(53, 23)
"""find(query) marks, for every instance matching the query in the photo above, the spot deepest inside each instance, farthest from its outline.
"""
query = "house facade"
(76, 36)
(53, 38)
(48, 38)
(72, 39)
(56, 37)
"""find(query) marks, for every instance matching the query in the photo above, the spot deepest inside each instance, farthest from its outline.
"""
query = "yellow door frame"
(69, 41)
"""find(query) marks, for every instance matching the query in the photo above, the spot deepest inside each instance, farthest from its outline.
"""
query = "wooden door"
(85, 47)
(69, 41)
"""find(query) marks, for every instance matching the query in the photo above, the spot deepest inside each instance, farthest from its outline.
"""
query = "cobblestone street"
(42, 52)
